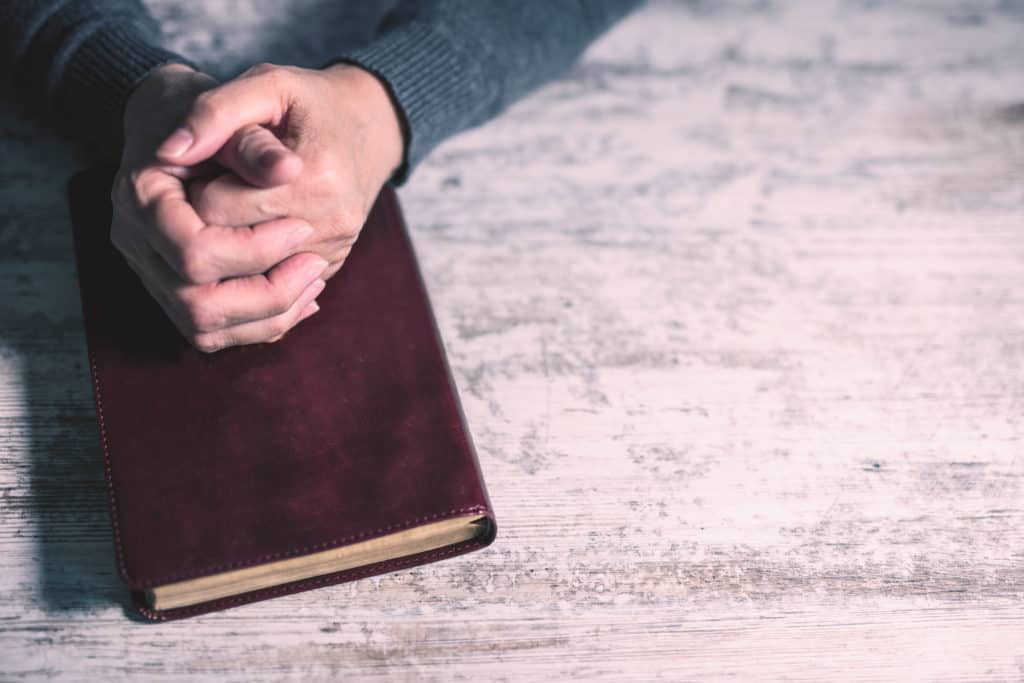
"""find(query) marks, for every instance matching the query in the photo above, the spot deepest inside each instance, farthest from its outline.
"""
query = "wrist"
(157, 103)
(377, 113)
(152, 83)
(172, 67)
(162, 72)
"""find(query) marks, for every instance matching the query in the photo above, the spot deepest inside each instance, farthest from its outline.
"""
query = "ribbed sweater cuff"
(100, 76)
(80, 60)
(431, 84)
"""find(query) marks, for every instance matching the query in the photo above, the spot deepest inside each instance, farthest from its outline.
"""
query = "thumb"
(217, 114)
(257, 156)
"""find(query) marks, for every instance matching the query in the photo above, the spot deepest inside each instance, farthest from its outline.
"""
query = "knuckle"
(260, 68)
(207, 343)
(275, 75)
(345, 226)
(332, 190)
(329, 183)
(262, 253)
(202, 318)
(349, 224)
(278, 326)
(251, 135)
(141, 187)
(206, 106)
(194, 265)
(269, 206)
(253, 140)
(208, 210)
(277, 302)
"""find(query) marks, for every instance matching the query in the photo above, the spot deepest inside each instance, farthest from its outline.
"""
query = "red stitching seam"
(104, 443)
(307, 584)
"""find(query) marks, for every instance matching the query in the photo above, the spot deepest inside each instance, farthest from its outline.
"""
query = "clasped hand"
(235, 202)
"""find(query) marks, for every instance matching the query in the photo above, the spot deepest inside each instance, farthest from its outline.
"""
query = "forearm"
(76, 62)
(453, 64)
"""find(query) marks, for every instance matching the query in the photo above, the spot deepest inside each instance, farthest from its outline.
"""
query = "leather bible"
(334, 454)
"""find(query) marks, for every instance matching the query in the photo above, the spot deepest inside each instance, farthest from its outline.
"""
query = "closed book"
(337, 453)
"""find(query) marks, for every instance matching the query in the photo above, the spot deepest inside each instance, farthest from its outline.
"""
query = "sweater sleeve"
(76, 61)
(454, 64)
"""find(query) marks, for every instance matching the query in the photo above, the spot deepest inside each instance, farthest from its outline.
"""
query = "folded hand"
(339, 121)
(234, 223)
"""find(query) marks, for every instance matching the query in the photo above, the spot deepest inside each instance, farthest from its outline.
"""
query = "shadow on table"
(64, 492)
(59, 484)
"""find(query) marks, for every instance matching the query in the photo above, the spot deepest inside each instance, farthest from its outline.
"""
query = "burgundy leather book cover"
(347, 429)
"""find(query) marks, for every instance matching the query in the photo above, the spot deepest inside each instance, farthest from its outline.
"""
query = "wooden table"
(736, 310)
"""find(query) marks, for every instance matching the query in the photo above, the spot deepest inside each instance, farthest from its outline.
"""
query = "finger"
(200, 254)
(227, 200)
(262, 330)
(171, 224)
(129, 243)
(158, 212)
(259, 297)
(214, 306)
(142, 260)
(236, 251)
(164, 300)
(217, 114)
(311, 308)
(257, 156)
(148, 265)
(206, 307)
(209, 253)
(195, 190)
(203, 169)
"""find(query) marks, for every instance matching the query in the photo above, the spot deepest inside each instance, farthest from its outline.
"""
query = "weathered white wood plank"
(736, 310)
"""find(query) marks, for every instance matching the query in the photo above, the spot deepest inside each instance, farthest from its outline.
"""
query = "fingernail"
(269, 158)
(313, 291)
(177, 144)
(309, 310)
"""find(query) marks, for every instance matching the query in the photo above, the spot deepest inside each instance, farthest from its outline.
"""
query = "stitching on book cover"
(307, 584)
(111, 490)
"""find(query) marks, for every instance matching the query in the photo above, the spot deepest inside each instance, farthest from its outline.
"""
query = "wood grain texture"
(736, 310)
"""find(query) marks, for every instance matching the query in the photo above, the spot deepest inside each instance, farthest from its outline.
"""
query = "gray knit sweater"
(450, 64)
